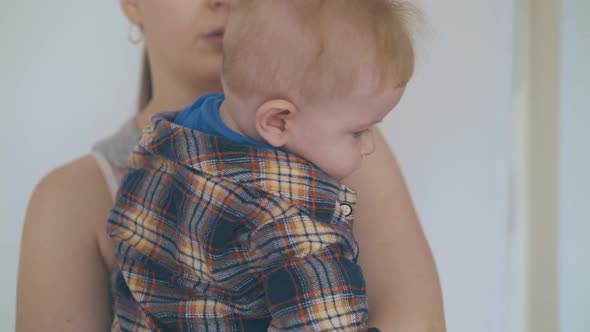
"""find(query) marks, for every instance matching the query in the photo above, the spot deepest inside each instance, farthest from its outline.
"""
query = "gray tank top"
(112, 153)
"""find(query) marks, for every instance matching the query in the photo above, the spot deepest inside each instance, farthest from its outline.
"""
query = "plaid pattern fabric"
(213, 235)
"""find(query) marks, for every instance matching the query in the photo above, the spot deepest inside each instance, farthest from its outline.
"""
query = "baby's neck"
(237, 117)
(226, 116)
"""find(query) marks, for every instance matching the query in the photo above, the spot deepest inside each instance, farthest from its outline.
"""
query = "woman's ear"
(131, 10)
(274, 120)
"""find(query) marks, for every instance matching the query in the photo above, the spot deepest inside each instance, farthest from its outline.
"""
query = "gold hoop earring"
(134, 34)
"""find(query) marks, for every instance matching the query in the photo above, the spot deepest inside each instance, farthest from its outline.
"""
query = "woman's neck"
(170, 102)
(173, 96)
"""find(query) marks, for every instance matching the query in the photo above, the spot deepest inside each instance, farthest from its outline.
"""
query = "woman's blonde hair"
(145, 83)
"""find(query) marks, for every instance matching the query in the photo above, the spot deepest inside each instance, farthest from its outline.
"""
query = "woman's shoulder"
(74, 181)
(74, 199)
(65, 255)
(85, 181)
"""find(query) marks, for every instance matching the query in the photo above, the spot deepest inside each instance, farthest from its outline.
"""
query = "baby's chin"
(337, 171)
(341, 175)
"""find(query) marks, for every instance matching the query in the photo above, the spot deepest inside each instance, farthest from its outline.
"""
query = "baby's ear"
(273, 120)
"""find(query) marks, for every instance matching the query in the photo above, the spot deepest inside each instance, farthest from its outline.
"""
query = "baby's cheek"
(339, 161)
(350, 163)
(358, 162)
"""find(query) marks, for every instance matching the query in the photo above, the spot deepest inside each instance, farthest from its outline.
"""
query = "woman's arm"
(63, 282)
(403, 287)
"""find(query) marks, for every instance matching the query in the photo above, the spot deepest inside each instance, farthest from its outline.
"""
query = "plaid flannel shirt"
(213, 235)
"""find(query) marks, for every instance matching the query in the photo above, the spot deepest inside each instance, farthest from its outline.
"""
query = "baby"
(232, 216)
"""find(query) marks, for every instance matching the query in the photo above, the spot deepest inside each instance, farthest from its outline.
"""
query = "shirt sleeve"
(311, 279)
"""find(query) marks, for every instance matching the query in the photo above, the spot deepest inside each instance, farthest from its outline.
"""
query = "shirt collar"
(270, 170)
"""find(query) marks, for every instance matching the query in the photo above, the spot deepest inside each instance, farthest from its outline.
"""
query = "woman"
(67, 258)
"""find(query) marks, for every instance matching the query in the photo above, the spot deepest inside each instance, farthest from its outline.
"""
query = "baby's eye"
(358, 134)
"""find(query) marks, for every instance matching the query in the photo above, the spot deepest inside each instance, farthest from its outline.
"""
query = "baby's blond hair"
(309, 49)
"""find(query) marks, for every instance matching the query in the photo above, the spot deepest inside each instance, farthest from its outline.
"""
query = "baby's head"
(315, 76)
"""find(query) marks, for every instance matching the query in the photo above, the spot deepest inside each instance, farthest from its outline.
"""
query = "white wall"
(67, 77)
(452, 136)
(67, 65)
(574, 216)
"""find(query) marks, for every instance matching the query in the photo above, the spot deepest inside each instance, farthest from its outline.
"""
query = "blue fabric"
(203, 115)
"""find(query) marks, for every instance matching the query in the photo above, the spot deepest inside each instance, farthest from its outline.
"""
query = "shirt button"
(346, 209)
